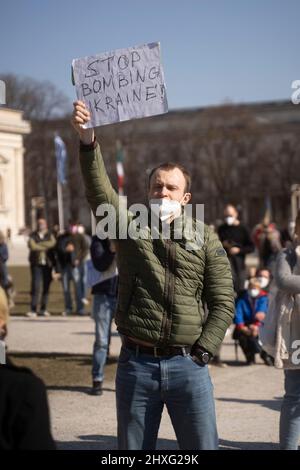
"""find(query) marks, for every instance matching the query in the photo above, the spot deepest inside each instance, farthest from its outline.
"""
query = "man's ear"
(186, 199)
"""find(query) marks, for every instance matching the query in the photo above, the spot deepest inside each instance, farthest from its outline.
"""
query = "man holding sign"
(163, 284)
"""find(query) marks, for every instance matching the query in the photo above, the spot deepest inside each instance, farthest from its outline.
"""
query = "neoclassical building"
(12, 129)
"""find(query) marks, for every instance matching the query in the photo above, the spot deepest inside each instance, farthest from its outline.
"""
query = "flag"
(268, 210)
(120, 167)
(61, 157)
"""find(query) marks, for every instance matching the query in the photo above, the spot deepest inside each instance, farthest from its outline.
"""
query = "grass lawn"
(59, 371)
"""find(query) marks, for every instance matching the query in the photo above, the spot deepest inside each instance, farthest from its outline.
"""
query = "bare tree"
(37, 99)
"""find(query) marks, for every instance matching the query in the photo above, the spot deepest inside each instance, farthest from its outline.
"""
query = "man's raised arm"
(98, 187)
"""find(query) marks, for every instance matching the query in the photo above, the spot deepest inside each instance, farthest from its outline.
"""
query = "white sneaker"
(45, 314)
(65, 314)
(31, 314)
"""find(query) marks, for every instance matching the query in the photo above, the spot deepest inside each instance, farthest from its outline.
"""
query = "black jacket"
(102, 258)
(24, 413)
(238, 236)
(65, 258)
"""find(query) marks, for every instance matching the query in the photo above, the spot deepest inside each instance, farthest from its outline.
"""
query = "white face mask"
(165, 208)
(253, 292)
(263, 282)
(80, 229)
(229, 220)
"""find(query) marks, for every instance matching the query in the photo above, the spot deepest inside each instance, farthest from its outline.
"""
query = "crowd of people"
(252, 284)
(68, 256)
(173, 308)
(55, 255)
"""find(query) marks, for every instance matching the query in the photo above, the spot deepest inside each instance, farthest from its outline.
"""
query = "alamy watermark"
(295, 97)
(139, 222)
(2, 92)
(295, 358)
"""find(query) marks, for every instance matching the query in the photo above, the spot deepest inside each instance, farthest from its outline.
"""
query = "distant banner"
(121, 85)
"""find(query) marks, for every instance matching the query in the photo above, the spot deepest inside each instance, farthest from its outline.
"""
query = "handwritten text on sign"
(121, 85)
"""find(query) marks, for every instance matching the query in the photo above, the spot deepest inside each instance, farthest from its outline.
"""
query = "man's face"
(169, 184)
(264, 273)
(42, 225)
(230, 212)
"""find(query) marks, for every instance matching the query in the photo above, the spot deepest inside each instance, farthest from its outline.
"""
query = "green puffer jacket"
(162, 285)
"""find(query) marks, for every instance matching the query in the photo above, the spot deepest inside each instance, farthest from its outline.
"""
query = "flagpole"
(61, 155)
(60, 207)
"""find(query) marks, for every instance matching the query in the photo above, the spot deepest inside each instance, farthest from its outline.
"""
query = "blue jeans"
(70, 273)
(103, 312)
(290, 411)
(40, 274)
(83, 275)
(144, 384)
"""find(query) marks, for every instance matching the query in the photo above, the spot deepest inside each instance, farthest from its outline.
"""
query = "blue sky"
(212, 50)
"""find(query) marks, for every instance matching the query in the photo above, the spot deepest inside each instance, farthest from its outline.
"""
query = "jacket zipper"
(168, 293)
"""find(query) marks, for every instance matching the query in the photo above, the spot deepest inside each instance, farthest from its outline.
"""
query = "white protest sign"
(121, 85)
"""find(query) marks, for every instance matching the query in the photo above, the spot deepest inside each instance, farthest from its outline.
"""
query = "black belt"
(156, 351)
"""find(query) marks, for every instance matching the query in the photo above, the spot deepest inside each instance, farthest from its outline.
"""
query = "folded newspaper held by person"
(95, 277)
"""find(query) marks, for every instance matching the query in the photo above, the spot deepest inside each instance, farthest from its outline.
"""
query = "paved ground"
(58, 349)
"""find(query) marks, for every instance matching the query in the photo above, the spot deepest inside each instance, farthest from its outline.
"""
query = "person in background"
(286, 237)
(264, 278)
(236, 240)
(24, 412)
(251, 309)
(103, 253)
(216, 359)
(267, 240)
(6, 280)
(40, 244)
(3, 261)
(71, 250)
(287, 279)
(81, 230)
(56, 231)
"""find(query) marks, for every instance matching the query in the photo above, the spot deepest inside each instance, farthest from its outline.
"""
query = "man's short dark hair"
(167, 166)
